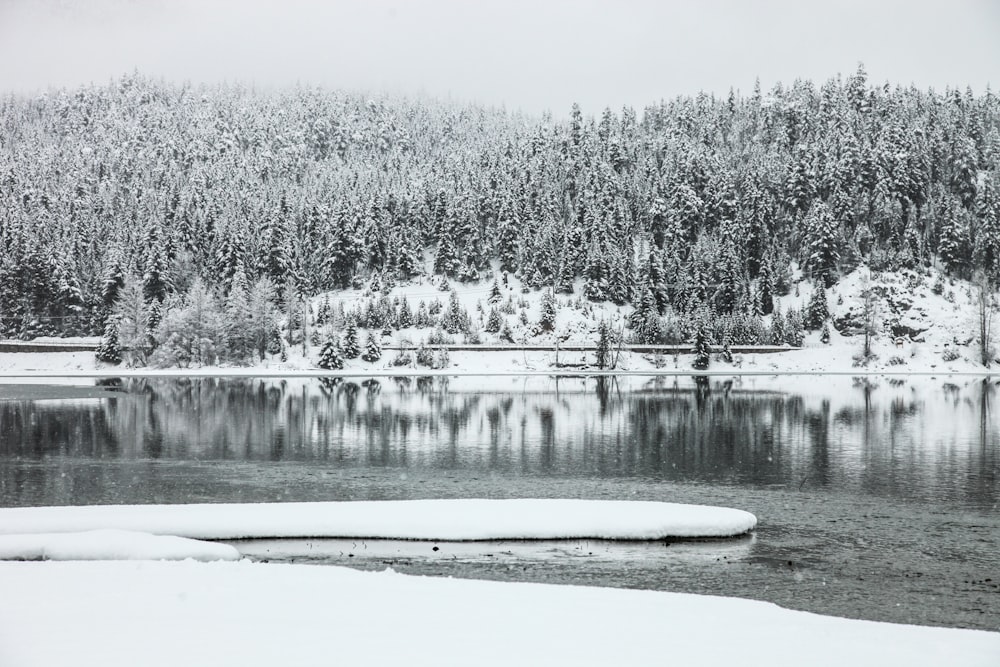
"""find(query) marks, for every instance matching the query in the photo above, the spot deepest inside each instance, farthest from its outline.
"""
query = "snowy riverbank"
(245, 614)
(926, 324)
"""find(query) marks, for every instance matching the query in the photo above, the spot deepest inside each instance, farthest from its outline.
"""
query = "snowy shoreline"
(246, 614)
(81, 365)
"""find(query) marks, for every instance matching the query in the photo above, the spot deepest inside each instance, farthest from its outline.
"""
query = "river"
(877, 497)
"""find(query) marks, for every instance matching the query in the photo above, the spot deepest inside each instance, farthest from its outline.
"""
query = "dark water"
(876, 499)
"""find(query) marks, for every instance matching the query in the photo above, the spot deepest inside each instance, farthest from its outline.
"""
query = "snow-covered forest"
(123, 206)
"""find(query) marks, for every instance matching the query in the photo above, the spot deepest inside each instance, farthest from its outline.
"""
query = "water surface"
(876, 498)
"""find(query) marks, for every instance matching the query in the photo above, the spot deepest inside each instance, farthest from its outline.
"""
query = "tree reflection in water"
(880, 437)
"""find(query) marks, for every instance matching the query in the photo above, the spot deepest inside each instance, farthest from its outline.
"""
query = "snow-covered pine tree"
(547, 317)
(765, 286)
(422, 319)
(817, 311)
(109, 350)
(779, 330)
(331, 357)
(494, 322)
(603, 351)
(954, 246)
(238, 324)
(822, 245)
(702, 342)
(455, 319)
(496, 296)
(373, 350)
(404, 318)
(794, 331)
(351, 345)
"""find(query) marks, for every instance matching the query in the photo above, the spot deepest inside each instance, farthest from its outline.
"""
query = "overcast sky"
(524, 54)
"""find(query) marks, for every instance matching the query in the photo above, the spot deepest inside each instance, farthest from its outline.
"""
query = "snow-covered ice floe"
(110, 544)
(249, 614)
(451, 520)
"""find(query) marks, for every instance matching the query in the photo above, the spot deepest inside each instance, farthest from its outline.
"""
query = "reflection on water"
(938, 442)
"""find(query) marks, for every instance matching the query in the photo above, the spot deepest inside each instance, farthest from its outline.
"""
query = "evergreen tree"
(405, 318)
(603, 352)
(132, 315)
(823, 253)
(109, 350)
(351, 346)
(954, 246)
(495, 295)
(817, 311)
(702, 343)
(547, 318)
(262, 315)
(238, 324)
(455, 319)
(331, 357)
(494, 322)
(779, 331)
(765, 287)
(794, 331)
(373, 350)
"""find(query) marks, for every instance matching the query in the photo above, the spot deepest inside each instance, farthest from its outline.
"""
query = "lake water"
(876, 498)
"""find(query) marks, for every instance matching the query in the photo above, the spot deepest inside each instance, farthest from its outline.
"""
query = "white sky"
(525, 54)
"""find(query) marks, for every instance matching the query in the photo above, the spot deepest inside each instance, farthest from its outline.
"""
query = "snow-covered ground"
(110, 544)
(457, 520)
(920, 331)
(245, 614)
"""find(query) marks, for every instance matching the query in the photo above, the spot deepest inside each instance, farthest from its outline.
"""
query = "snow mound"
(451, 520)
(247, 614)
(109, 544)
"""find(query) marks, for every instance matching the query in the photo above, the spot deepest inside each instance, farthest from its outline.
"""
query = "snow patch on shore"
(110, 544)
(452, 520)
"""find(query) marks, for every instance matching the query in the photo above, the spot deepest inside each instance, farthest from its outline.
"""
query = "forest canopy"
(696, 204)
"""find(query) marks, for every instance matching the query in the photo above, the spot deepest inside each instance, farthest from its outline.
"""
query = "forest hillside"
(123, 204)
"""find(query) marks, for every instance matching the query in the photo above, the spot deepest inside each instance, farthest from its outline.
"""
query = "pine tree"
(954, 246)
(822, 244)
(817, 311)
(455, 318)
(988, 235)
(331, 357)
(132, 315)
(373, 350)
(702, 343)
(547, 318)
(494, 322)
(405, 318)
(779, 331)
(262, 316)
(794, 332)
(765, 287)
(109, 350)
(495, 295)
(603, 352)
(238, 321)
(351, 345)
